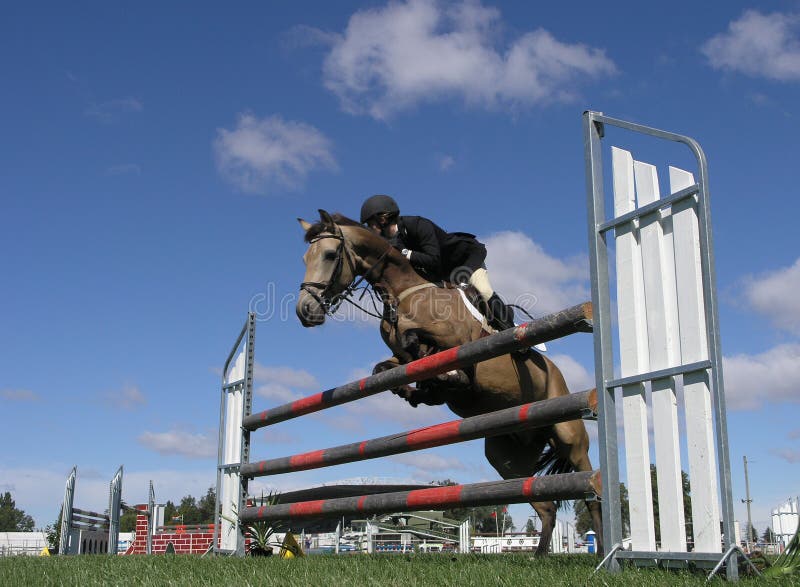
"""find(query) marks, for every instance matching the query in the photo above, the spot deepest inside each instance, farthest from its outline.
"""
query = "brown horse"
(419, 319)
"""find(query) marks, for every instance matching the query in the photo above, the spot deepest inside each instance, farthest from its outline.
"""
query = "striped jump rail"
(550, 327)
(545, 488)
(531, 415)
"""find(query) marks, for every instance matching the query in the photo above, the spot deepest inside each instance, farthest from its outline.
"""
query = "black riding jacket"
(436, 253)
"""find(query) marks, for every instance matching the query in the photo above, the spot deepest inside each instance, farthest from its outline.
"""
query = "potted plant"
(260, 536)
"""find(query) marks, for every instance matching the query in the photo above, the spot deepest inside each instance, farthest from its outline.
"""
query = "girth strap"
(407, 292)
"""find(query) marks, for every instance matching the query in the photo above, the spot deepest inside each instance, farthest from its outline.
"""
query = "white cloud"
(280, 383)
(772, 376)
(180, 442)
(394, 57)
(259, 155)
(774, 295)
(18, 395)
(387, 407)
(523, 273)
(285, 376)
(129, 397)
(113, 109)
(759, 45)
(278, 437)
(446, 162)
(429, 463)
(789, 455)
(575, 374)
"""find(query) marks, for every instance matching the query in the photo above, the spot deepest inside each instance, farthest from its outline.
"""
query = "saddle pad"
(480, 317)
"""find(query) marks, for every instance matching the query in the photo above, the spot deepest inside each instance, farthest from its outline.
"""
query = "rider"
(437, 255)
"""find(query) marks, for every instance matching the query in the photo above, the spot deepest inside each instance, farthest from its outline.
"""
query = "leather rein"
(322, 291)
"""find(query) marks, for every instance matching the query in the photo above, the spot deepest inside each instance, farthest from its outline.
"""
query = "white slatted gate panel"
(231, 480)
(661, 324)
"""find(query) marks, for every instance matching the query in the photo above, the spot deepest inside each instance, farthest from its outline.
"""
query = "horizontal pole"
(664, 202)
(527, 489)
(92, 527)
(660, 374)
(531, 415)
(711, 557)
(89, 519)
(88, 513)
(557, 325)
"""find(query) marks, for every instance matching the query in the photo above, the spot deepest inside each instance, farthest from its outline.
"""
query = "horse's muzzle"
(309, 311)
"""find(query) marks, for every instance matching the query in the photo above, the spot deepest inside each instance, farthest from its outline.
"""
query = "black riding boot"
(501, 316)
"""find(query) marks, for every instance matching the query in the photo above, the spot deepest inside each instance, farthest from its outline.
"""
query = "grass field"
(415, 570)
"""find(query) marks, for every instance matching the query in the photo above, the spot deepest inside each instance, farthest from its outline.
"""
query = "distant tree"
(480, 517)
(11, 518)
(687, 503)
(188, 510)
(170, 512)
(530, 528)
(127, 521)
(53, 532)
(768, 536)
(492, 519)
(583, 519)
(753, 534)
(206, 506)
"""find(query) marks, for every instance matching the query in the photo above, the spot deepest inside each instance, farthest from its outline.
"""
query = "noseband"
(321, 291)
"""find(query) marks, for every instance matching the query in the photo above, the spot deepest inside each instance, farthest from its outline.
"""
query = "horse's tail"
(551, 463)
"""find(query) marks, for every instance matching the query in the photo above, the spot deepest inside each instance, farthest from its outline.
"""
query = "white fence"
(662, 325)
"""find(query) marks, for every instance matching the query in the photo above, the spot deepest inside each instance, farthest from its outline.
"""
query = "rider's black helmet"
(378, 204)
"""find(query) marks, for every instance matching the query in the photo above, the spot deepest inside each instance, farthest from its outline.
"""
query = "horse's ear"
(304, 224)
(326, 218)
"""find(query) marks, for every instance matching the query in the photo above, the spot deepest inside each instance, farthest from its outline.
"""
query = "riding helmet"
(378, 204)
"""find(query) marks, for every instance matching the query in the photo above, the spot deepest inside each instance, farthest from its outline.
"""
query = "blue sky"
(155, 158)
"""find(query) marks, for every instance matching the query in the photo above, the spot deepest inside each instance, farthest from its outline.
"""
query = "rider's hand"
(406, 253)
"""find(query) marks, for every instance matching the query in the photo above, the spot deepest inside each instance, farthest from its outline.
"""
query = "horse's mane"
(319, 227)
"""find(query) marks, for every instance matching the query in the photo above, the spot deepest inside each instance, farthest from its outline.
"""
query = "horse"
(420, 318)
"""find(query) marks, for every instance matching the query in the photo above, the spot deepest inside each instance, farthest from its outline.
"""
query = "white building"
(17, 543)
(784, 521)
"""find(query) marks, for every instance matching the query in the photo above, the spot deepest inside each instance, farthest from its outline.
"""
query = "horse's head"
(330, 269)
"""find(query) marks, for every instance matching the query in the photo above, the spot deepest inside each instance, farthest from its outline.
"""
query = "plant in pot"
(260, 536)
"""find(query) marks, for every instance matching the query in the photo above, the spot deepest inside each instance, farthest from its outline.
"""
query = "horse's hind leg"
(512, 458)
(547, 514)
(573, 442)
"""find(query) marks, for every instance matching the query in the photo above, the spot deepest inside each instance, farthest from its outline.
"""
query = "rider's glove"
(406, 253)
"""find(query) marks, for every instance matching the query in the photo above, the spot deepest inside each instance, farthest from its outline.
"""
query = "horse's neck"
(397, 278)
(384, 266)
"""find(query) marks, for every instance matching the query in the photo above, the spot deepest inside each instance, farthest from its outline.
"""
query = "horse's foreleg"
(410, 349)
(405, 391)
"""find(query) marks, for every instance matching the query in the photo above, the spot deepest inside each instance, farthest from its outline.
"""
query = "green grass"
(426, 570)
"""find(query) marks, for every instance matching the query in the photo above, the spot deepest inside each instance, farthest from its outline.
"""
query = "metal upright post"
(66, 511)
(748, 501)
(603, 357)
(151, 516)
(114, 507)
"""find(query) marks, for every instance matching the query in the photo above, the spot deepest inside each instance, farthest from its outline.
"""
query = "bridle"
(323, 295)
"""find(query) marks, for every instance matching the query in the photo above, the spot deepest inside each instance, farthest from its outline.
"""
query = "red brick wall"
(185, 541)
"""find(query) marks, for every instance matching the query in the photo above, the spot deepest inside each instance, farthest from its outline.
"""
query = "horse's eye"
(330, 255)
